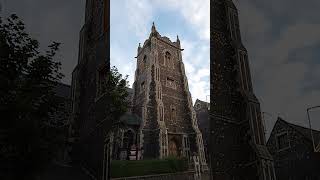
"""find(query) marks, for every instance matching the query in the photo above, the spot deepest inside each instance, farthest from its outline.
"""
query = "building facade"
(202, 112)
(90, 127)
(237, 141)
(292, 150)
(162, 99)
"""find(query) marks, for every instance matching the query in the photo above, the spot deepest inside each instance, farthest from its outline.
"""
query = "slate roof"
(63, 90)
(203, 104)
(304, 131)
(130, 119)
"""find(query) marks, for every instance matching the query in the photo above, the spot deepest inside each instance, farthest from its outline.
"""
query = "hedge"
(125, 168)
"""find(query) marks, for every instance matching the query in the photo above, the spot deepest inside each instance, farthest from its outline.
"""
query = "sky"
(131, 22)
(282, 39)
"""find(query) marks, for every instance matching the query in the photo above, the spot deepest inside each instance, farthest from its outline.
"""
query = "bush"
(147, 167)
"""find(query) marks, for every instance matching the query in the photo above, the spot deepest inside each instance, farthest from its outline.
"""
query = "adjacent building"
(202, 109)
(237, 143)
(292, 149)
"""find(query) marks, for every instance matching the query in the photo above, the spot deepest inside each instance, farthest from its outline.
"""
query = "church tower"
(162, 99)
(238, 144)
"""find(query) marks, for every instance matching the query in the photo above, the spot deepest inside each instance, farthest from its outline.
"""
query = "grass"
(147, 167)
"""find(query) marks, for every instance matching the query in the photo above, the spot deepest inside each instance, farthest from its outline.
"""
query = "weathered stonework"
(237, 142)
(162, 99)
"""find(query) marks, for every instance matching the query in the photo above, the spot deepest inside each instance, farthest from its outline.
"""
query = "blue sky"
(131, 22)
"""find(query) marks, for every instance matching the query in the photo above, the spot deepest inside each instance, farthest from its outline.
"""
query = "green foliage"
(117, 92)
(147, 167)
(27, 79)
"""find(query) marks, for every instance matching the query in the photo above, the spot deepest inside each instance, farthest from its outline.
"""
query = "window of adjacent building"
(170, 83)
(282, 141)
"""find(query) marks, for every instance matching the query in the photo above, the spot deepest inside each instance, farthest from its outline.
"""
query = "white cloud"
(196, 13)
(139, 14)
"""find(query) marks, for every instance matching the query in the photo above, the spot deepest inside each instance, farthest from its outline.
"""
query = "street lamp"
(314, 107)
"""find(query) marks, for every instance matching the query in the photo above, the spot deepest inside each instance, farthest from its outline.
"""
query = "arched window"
(167, 58)
(144, 61)
(173, 113)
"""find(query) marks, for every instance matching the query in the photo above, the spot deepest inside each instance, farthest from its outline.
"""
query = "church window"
(101, 81)
(186, 146)
(167, 58)
(161, 113)
(173, 113)
(144, 60)
(245, 57)
(232, 23)
(142, 86)
(170, 83)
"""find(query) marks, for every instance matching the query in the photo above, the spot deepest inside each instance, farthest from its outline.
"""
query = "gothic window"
(142, 86)
(232, 23)
(170, 83)
(198, 106)
(101, 81)
(243, 70)
(161, 113)
(167, 58)
(144, 61)
(282, 141)
(186, 146)
(164, 144)
(173, 113)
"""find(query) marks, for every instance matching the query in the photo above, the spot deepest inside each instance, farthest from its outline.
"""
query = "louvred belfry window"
(167, 58)
(170, 83)
(173, 113)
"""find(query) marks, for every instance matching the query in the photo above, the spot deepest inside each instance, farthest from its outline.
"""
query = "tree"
(117, 91)
(27, 79)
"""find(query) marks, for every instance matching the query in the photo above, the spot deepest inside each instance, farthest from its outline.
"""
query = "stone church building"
(162, 101)
(237, 143)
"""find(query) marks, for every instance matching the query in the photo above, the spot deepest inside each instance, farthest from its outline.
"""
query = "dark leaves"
(27, 79)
